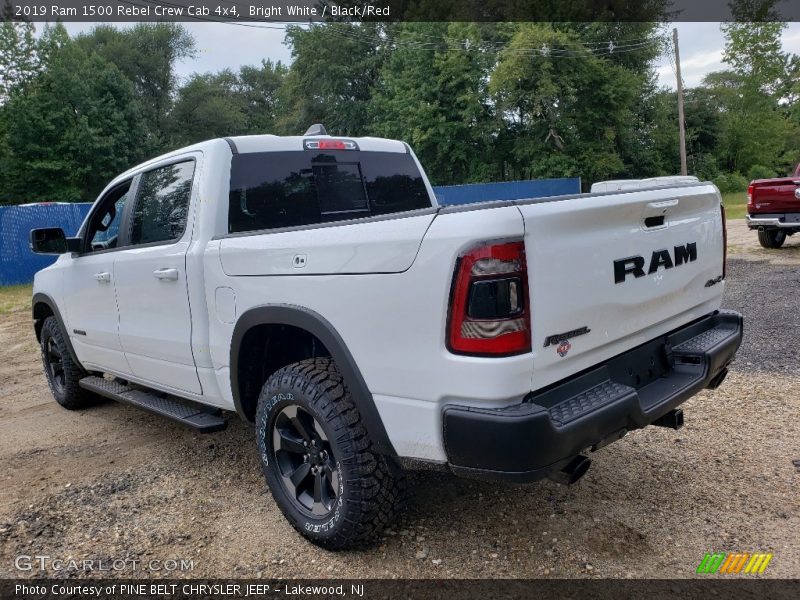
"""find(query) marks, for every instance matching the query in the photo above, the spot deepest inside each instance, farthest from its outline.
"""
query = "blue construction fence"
(18, 264)
(506, 190)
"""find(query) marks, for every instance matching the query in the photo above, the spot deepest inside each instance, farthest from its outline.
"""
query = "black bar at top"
(264, 12)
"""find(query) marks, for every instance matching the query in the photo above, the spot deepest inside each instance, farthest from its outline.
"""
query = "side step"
(166, 406)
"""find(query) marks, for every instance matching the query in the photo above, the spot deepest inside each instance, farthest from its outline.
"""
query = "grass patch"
(14, 298)
(735, 204)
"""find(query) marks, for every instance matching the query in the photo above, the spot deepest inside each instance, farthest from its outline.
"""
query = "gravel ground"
(115, 483)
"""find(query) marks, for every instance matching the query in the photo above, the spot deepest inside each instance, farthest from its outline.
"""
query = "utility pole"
(681, 127)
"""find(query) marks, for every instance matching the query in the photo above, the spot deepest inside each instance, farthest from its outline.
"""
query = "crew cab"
(773, 208)
(312, 285)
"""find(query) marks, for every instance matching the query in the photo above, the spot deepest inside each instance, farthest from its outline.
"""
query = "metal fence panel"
(17, 263)
(506, 190)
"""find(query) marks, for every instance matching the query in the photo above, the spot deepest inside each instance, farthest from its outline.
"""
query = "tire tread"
(376, 484)
(771, 238)
(74, 396)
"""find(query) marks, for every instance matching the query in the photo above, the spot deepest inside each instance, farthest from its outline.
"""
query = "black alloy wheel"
(305, 459)
(54, 360)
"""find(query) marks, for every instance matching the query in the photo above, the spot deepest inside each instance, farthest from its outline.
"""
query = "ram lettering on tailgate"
(634, 265)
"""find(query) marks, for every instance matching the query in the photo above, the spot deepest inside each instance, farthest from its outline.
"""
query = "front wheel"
(61, 371)
(321, 468)
(771, 238)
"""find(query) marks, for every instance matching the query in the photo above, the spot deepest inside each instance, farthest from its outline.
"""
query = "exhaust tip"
(718, 379)
(570, 474)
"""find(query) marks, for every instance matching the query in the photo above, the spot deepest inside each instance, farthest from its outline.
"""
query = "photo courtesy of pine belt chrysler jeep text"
(313, 285)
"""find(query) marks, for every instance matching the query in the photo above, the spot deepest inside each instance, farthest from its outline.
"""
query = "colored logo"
(734, 563)
(563, 348)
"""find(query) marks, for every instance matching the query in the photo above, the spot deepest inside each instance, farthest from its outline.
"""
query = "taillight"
(724, 240)
(489, 313)
(750, 194)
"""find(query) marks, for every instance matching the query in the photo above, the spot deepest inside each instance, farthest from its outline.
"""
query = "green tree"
(19, 60)
(74, 128)
(53, 39)
(261, 88)
(228, 103)
(334, 71)
(754, 98)
(562, 116)
(432, 93)
(208, 106)
(146, 54)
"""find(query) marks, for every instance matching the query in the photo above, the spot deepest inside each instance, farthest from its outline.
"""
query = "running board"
(155, 402)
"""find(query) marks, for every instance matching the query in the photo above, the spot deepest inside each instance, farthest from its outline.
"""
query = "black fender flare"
(318, 326)
(40, 298)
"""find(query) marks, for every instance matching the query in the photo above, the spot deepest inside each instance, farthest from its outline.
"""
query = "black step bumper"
(528, 441)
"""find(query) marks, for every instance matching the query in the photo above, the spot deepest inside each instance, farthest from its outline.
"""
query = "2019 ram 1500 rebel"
(773, 208)
(313, 285)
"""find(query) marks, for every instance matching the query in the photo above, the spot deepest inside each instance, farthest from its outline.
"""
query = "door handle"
(167, 274)
(104, 277)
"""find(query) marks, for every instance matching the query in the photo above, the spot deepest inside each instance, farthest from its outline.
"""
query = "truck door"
(155, 326)
(89, 300)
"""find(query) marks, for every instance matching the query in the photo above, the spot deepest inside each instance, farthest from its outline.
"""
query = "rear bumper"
(528, 441)
(773, 220)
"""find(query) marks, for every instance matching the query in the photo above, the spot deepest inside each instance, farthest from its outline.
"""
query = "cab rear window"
(270, 190)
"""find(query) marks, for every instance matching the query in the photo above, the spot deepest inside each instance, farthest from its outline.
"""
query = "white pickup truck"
(313, 285)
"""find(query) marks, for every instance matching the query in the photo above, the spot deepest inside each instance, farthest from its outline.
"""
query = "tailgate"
(612, 271)
(775, 196)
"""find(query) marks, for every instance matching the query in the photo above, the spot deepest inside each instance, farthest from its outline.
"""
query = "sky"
(226, 45)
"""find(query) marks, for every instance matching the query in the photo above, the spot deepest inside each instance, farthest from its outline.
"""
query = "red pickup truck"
(773, 208)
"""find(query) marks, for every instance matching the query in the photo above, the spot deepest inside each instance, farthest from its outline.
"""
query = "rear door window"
(270, 190)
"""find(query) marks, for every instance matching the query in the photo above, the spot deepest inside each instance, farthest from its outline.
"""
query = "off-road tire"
(771, 238)
(370, 485)
(64, 386)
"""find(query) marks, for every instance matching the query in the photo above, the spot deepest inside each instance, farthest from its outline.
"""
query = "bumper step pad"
(167, 406)
(705, 341)
(588, 401)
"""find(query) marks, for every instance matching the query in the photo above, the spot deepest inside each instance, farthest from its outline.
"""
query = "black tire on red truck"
(771, 238)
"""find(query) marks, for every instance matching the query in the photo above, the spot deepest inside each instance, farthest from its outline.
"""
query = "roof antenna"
(316, 129)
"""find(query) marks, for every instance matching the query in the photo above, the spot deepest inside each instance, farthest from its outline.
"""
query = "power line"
(442, 44)
(449, 44)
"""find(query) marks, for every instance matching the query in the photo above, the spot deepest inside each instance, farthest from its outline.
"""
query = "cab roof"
(246, 144)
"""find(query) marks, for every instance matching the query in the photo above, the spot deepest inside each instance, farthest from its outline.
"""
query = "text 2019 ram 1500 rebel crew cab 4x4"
(773, 208)
(313, 285)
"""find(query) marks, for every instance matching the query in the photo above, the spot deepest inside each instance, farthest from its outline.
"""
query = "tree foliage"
(19, 57)
(147, 55)
(74, 128)
(227, 103)
(335, 69)
(476, 101)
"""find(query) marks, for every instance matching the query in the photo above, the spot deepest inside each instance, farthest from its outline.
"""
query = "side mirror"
(51, 240)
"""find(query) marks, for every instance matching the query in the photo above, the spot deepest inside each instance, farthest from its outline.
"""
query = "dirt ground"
(114, 483)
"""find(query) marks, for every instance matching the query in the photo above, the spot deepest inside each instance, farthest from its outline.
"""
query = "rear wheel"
(771, 238)
(321, 468)
(61, 371)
